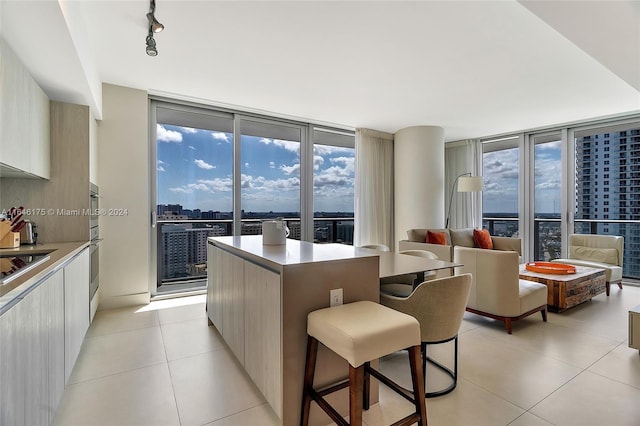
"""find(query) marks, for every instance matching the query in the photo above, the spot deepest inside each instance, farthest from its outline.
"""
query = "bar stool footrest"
(406, 394)
(328, 409)
(409, 420)
(333, 388)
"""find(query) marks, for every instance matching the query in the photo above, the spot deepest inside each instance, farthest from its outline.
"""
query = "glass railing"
(182, 246)
(629, 229)
(547, 235)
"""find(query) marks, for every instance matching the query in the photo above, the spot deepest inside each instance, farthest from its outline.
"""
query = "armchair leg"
(620, 285)
(507, 325)
(544, 315)
(607, 287)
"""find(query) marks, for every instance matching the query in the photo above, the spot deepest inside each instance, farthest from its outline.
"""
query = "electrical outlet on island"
(335, 297)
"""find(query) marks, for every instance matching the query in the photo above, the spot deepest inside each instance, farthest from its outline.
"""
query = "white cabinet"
(24, 131)
(76, 308)
(12, 367)
(225, 297)
(634, 328)
(243, 302)
(214, 286)
(31, 355)
(262, 332)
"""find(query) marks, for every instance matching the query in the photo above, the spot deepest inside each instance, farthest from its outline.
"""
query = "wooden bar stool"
(361, 332)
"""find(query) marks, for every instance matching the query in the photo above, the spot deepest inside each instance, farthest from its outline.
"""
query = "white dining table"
(393, 264)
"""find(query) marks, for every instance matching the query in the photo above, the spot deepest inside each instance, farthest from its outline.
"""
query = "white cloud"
(293, 169)
(218, 184)
(188, 130)
(198, 186)
(272, 165)
(161, 162)
(327, 149)
(247, 165)
(192, 147)
(262, 184)
(348, 163)
(182, 190)
(161, 169)
(165, 135)
(317, 162)
(205, 185)
(204, 165)
(288, 145)
(220, 136)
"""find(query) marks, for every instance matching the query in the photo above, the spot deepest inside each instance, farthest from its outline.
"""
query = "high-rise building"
(608, 189)
(184, 246)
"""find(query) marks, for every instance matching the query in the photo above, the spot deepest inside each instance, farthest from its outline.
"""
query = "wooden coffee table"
(566, 291)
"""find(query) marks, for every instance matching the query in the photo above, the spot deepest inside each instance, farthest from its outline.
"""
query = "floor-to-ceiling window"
(270, 174)
(607, 190)
(333, 185)
(583, 179)
(221, 172)
(500, 196)
(547, 195)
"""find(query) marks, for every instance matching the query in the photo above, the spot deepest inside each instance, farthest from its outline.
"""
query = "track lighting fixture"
(151, 45)
(154, 27)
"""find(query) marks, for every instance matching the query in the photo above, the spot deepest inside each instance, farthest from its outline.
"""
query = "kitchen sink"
(13, 265)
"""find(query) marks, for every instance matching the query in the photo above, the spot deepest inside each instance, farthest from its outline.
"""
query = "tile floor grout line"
(115, 374)
(607, 377)
(173, 390)
(553, 392)
(233, 414)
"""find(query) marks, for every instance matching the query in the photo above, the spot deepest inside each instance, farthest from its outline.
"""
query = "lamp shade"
(470, 184)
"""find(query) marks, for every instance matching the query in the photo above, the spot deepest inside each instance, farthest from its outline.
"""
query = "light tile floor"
(161, 364)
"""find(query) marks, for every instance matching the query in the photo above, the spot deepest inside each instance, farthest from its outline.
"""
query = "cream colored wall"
(418, 179)
(123, 173)
(93, 149)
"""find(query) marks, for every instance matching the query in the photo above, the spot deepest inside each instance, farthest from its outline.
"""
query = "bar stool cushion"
(363, 331)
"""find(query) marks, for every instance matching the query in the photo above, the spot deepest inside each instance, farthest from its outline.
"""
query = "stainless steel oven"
(94, 204)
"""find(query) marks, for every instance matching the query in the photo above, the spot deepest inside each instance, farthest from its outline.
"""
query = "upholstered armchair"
(597, 251)
(497, 291)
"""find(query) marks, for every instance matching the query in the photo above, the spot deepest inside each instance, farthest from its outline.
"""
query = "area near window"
(223, 172)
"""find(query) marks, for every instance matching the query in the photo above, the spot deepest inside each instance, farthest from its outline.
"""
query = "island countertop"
(294, 252)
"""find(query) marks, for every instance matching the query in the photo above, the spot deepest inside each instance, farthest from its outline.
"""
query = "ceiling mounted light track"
(154, 27)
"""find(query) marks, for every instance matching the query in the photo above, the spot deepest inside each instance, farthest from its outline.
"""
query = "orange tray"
(550, 268)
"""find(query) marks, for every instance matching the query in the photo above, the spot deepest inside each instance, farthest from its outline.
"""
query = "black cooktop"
(14, 265)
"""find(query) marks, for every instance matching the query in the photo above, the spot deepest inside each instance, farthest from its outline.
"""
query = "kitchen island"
(258, 298)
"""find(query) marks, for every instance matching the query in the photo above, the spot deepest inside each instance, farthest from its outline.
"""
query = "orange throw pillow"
(437, 238)
(482, 239)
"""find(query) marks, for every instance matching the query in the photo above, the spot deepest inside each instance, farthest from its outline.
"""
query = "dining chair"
(379, 247)
(402, 285)
(439, 307)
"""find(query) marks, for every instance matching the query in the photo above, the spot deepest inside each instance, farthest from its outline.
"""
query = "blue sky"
(195, 170)
(501, 168)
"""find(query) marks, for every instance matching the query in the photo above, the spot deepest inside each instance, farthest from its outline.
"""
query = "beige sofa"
(416, 240)
(497, 291)
(597, 251)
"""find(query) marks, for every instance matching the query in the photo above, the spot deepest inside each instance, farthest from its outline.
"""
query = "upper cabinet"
(24, 116)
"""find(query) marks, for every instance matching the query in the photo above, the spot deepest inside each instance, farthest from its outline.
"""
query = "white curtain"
(373, 188)
(466, 207)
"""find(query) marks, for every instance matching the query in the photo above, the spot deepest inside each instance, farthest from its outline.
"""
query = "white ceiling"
(476, 68)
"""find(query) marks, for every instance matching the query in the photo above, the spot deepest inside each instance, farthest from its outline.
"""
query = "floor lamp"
(465, 183)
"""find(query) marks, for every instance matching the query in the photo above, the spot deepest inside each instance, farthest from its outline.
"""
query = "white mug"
(274, 232)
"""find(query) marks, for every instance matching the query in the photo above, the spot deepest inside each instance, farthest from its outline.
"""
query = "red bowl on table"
(550, 268)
